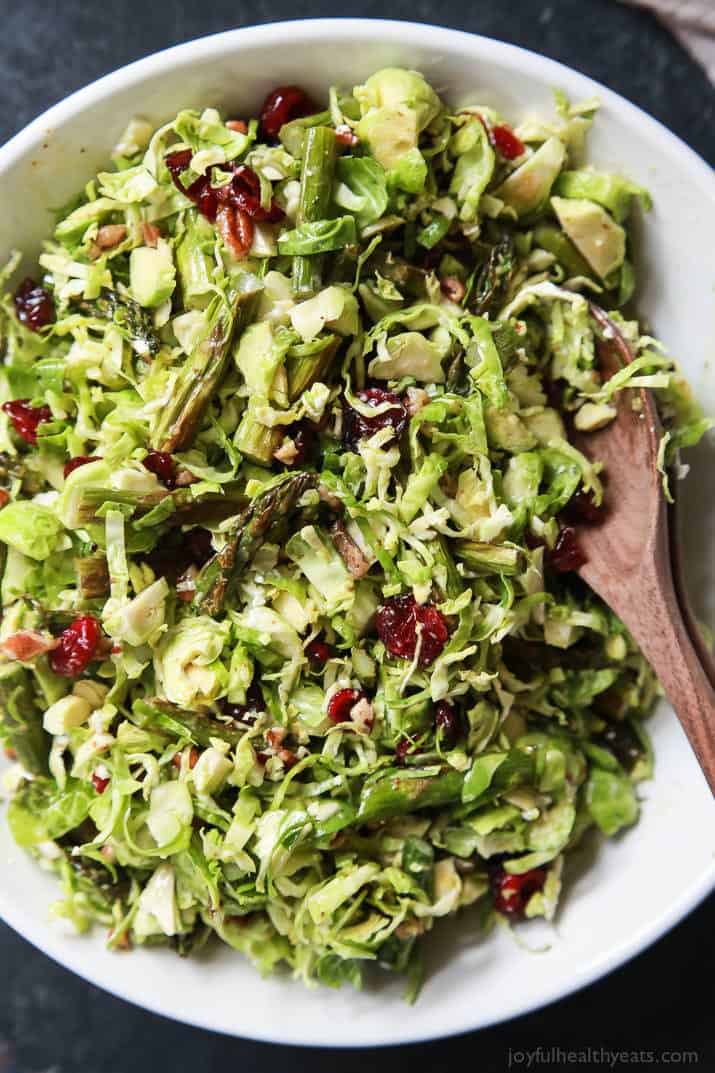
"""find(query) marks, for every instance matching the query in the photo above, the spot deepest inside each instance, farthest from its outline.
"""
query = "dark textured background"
(51, 1021)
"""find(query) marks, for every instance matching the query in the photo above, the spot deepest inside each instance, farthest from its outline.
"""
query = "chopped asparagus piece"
(177, 507)
(306, 370)
(488, 558)
(129, 316)
(201, 376)
(401, 792)
(316, 186)
(258, 442)
(198, 727)
(220, 573)
(92, 577)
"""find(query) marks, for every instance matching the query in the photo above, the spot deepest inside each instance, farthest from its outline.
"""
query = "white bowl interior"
(622, 895)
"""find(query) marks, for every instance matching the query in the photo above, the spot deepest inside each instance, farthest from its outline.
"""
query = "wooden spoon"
(628, 551)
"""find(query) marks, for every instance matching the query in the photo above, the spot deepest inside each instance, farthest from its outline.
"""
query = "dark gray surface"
(662, 1001)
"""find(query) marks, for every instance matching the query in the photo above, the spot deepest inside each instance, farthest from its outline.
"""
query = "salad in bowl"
(294, 651)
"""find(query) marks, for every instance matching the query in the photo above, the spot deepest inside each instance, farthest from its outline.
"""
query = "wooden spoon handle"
(681, 591)
(655, 621)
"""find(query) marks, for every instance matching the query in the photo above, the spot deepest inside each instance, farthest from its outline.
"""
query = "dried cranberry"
(200, 190)
(4, 497)
(33, 305)
(341, 704)
(244, 192)
(77, 461)
(99, 783)
(554, 393)
(506, 142)
(511, 893)
(77, 647)
(163, 467)
(581, 507)
(319, 651)
(532, 541)
(198, 545)
(26, 418)
(623, 742)
(356, 426)
(305, 441)
(566, 553)
(447, 722)
(282, 105)
(397, 621)
(403, 747)
(246, 713)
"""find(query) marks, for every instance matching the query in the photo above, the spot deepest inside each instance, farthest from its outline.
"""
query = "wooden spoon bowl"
(629, 556)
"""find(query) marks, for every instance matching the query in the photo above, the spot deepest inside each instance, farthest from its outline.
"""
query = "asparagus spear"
(304, 370)
(129, 316)
(200, 378)
(92, 577)
(21, 719)
(220, 573)
(493, 277)
(316, 185)
(488, 558)
(258, 442)
(182, 508)
(292, 134)
(401, 792)
(199, 727)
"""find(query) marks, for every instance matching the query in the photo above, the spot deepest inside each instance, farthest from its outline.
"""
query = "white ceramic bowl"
(628, 892)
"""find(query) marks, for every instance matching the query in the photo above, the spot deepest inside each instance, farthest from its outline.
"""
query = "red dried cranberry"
(356, 426)
(582, 508)
(319, 651)
(447, 722)
(554, 393)
(397, 621)
(200, 191)
(99, 783)
(246, 713)
(244, 192)
(26, 418)
(4, 497)
(623, 742)
(506, 142)
(341, 704)
(198, 545)
(532, 541)
(305, 442)
(77, 461)
(33, 305)
(163, 467)
(566, 553)
(403, 747)
(511, 893)
(282, 105)
(77, 647)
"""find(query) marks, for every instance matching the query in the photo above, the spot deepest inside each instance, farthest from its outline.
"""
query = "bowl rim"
(405, 33)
